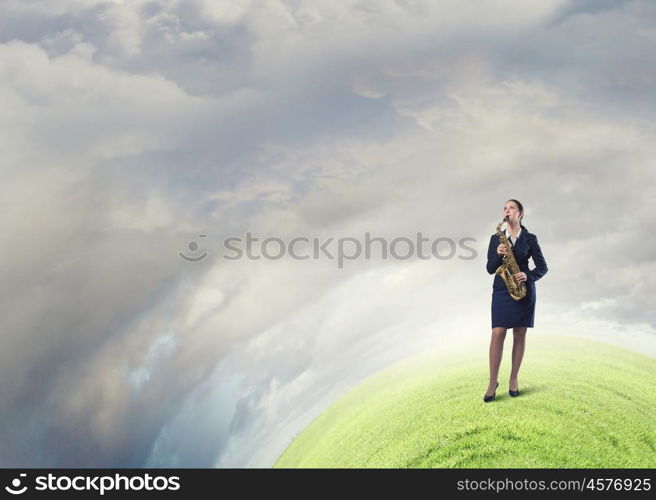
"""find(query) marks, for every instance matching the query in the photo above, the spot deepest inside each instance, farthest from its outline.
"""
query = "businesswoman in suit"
(507, 312)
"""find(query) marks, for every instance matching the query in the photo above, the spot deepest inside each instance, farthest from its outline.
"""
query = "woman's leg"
(519, 343)
(496, 351)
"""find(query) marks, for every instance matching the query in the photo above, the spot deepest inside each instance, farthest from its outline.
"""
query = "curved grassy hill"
(582, 404)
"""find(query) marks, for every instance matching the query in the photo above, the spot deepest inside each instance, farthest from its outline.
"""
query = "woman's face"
(511, 211)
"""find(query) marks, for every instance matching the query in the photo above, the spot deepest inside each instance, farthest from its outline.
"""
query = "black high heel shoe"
(487, 398)
(514, 394)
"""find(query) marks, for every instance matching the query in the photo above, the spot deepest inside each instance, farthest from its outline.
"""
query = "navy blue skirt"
(508, 312)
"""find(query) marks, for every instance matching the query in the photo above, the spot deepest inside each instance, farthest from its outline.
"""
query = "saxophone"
(509, 268)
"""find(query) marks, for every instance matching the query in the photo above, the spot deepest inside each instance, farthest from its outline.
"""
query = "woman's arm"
(494, 260)
(538, 259)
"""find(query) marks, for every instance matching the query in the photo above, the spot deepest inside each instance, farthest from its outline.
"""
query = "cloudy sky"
(130, 128)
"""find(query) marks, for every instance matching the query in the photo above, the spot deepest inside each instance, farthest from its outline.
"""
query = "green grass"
(582, 404)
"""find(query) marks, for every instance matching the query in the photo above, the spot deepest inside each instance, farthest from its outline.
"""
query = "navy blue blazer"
(526, 246)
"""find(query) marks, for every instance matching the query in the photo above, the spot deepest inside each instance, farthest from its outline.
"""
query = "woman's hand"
(519, 277)
(501, 249)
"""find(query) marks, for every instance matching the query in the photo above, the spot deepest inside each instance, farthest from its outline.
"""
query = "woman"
(506, 311)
